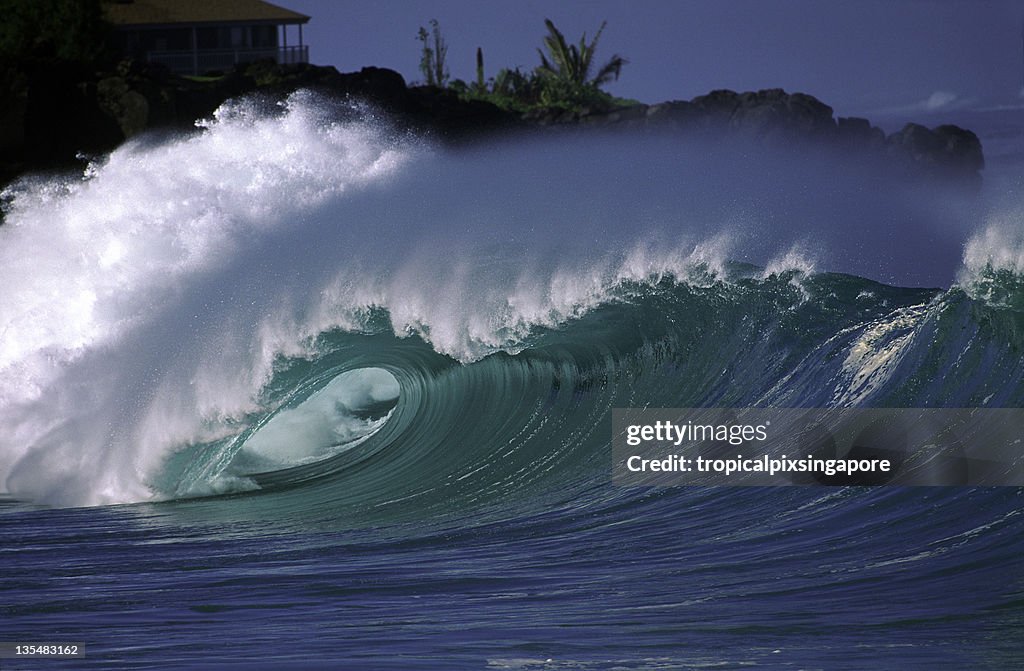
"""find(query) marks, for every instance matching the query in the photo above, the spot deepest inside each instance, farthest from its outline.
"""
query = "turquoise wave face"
(424, 436)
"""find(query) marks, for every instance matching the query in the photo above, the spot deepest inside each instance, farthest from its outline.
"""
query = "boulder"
(960, 148)
(945, 151)
(380, 85)
(719, 103)
(673, 110)
(124, 105)
(855, 132)
(807, 113)
(916, 142)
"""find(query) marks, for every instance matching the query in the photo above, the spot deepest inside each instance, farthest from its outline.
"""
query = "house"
(192, 37)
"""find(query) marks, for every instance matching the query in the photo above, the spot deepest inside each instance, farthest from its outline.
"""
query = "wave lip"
(993, 266)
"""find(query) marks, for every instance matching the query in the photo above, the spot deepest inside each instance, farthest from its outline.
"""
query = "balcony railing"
(207, 60)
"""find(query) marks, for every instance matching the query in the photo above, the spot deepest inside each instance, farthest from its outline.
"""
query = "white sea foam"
(875, 354)
(91, 393)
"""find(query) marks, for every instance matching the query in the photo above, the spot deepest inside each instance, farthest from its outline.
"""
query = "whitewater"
(334, 365)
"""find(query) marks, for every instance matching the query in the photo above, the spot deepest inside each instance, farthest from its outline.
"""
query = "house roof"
(125, 13)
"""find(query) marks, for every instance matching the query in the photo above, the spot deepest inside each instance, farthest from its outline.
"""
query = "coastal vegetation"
(567, 77)
(435, 52)
(43, 33)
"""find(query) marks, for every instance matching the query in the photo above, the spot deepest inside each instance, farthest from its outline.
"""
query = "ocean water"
(302, 390)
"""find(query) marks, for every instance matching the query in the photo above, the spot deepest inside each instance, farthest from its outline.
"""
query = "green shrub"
(43, 32)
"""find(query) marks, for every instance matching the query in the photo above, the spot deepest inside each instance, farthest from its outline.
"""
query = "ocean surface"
(302, 390)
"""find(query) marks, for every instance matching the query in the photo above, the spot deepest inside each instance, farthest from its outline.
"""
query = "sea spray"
(993, 266)
(104, 333)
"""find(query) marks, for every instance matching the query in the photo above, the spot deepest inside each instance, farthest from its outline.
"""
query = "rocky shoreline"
(57, 117)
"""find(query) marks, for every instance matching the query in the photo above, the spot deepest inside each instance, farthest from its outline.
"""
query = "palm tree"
(570, 64)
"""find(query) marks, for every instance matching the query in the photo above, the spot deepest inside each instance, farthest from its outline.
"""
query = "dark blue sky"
(860, 57)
